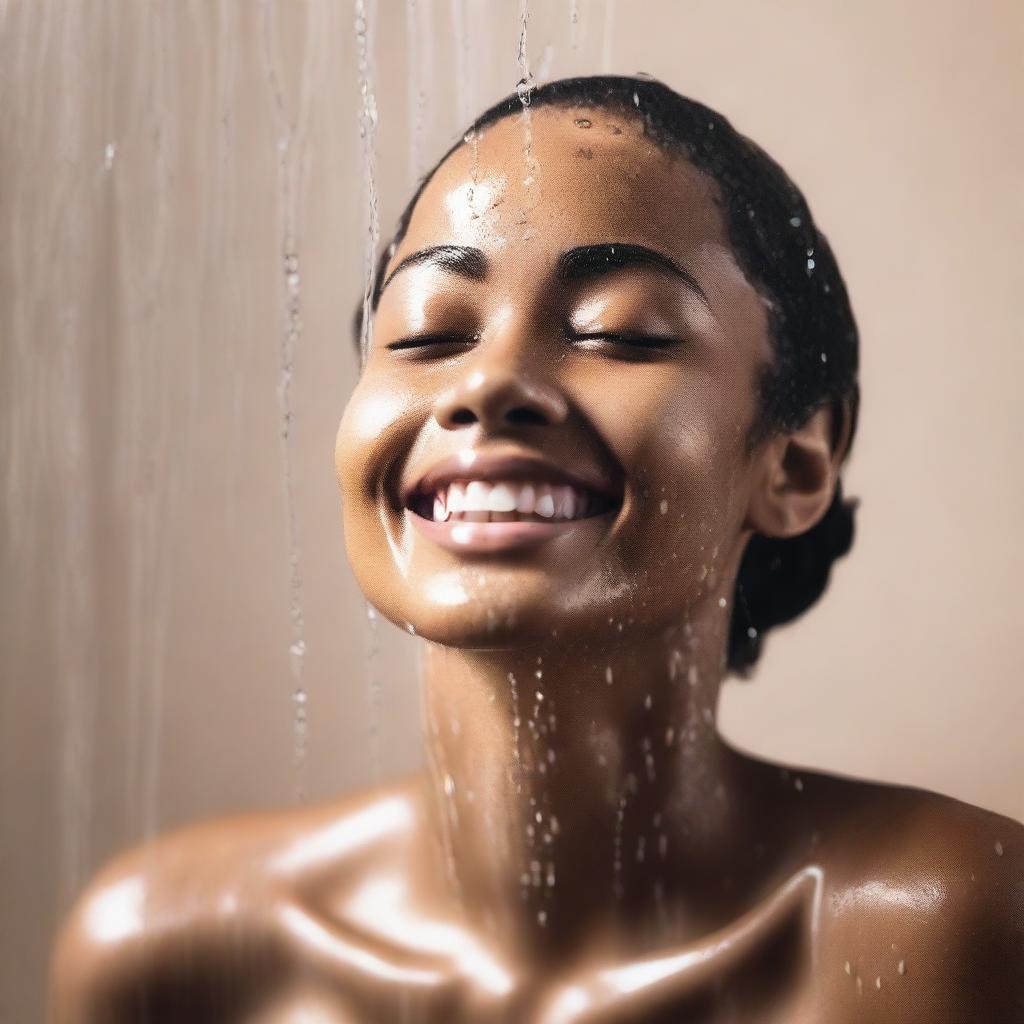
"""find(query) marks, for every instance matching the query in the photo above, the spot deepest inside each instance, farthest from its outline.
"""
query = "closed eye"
(433, 341)
(643, 341)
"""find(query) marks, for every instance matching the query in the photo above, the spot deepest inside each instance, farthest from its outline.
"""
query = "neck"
(567, 782)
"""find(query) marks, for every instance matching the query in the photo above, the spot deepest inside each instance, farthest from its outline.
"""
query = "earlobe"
(795, 480)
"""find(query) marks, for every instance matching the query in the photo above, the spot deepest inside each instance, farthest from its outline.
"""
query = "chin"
(482, 609)
(492, 609)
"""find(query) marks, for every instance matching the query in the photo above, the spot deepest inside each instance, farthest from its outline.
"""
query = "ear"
(795, 476)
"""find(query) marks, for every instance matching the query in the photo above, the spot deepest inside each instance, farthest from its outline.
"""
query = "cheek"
(368, 429)
(684, 453)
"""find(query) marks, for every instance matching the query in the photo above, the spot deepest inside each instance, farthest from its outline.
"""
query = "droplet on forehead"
(583, 122)
(466, 202)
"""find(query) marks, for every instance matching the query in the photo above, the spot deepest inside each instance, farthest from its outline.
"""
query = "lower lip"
(487, 538)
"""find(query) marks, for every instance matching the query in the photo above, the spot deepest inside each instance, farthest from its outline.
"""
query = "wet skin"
(583, 845)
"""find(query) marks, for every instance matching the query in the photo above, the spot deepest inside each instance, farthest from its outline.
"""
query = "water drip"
(291, 150)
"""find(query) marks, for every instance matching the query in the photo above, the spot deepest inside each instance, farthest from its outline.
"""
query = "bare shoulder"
(924, 909)
(158, 915)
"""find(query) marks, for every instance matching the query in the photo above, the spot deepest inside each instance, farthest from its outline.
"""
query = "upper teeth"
(545, 500)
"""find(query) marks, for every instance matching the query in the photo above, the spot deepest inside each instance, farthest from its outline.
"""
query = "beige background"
(155, 157)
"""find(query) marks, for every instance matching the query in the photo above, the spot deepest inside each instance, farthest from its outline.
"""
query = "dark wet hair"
(789, 261)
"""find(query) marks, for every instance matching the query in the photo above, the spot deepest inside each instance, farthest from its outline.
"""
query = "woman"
(593, 456)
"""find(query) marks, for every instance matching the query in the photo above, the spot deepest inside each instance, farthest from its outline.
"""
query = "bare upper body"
(890, 905)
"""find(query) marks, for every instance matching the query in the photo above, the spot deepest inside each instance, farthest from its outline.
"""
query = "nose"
(497, 393)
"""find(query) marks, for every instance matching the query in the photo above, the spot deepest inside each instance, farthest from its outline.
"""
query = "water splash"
(526, 83)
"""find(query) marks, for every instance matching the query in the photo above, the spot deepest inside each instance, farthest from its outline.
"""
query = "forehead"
(561, 177)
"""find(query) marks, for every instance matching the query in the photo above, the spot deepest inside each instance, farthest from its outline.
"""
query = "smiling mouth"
(488, 504)
(511, 501)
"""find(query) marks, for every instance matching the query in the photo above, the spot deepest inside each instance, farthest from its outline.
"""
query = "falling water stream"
(291, 131)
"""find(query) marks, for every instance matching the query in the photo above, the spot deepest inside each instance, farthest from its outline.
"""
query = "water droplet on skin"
(608, 675)
(901, 967)
(648, 702)
(298, 649)
(300, 697)
(846, 967)
(999, 848)
(664, 506)
(860, 986)
(798, 784)
(449, 785)
(411, 628)
(878, 983)
(583, 122)
(722, 602)
(109, 152)
(542, 918)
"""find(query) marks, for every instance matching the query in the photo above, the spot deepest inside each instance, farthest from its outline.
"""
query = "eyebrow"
(577, 264)
(593, 260)
(456, 259)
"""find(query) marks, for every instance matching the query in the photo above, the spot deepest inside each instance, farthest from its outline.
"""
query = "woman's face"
(549, 437)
